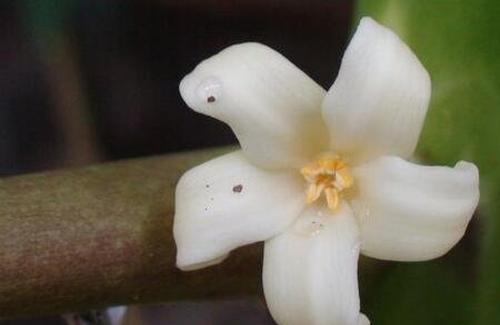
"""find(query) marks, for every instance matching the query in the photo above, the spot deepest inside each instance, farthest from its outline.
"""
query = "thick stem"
(101, 235)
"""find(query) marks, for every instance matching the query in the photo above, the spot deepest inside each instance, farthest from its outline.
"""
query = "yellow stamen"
(314, 192)
(332, 198)
(329, 174)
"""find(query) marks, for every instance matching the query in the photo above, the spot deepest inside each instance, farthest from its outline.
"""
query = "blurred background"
(87, 81)
(92, 81)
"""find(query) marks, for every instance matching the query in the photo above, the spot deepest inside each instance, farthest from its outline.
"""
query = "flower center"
(330, 175)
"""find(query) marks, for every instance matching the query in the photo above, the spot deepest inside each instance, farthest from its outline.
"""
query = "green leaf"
(414, 294)
(457, 42)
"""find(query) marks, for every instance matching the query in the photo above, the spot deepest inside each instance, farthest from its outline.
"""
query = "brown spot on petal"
(210, 99)
(238, 188)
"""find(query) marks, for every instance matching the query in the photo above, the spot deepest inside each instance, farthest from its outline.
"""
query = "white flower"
(321, 176)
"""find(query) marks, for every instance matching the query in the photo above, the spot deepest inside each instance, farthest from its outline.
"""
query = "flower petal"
(379, 101)
(273, 107)
(409, 212)
(226, 203)
(363, 320)
(310, 271)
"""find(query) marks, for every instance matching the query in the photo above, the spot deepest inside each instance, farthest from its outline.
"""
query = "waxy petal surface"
(226, 203)
(409, 212)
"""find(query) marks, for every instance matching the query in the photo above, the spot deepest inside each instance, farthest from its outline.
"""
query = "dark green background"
(459, 43)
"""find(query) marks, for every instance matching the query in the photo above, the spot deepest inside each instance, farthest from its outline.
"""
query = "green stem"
(102, 235)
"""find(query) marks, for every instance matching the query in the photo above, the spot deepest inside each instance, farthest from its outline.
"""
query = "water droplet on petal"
(209, 90)
(361, 209)
(310, 225)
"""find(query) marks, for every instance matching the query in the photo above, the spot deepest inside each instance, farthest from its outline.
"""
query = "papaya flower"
(322, 176)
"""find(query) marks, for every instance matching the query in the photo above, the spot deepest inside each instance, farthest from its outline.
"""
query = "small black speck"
(206, 209)
(238, 188)
(207, 185)
(210, 99)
